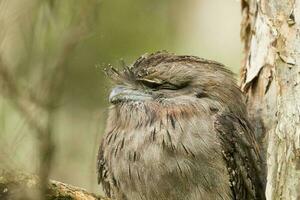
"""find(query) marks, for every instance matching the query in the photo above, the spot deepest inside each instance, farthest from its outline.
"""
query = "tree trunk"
(271, 80)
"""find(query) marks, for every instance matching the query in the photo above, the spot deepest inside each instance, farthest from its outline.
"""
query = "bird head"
(168, 79)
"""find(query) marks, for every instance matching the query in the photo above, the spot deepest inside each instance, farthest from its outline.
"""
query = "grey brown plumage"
(178, 130)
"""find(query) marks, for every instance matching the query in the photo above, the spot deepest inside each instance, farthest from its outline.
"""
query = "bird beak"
(123, 94)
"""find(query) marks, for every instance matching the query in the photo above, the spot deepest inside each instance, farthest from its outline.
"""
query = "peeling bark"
(270, 78)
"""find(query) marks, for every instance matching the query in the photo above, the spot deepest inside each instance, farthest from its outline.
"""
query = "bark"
(270, 78)
(19, 186)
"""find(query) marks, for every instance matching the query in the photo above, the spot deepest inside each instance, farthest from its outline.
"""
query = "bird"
(178, 129)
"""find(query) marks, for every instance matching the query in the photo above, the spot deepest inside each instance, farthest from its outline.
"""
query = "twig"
(27, 103)
(20, 100)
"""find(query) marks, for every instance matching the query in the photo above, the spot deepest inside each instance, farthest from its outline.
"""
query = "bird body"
(178, 130)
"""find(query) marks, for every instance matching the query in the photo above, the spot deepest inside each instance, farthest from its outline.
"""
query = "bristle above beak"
(120, 76)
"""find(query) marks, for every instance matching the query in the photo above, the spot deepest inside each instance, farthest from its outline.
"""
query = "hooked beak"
(123, 94)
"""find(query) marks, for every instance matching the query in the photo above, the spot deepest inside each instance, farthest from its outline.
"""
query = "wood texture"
(270, 78)
(17, 186)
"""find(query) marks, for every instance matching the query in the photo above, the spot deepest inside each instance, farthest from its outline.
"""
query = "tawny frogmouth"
(178, 129)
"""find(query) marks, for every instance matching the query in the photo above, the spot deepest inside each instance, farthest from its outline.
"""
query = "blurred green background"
(32, 38)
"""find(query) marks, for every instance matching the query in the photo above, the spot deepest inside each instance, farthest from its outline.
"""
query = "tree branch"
(16, 186)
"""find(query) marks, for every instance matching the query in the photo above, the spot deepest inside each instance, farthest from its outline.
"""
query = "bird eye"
(168, 86)
(150, 83)
(161, 85)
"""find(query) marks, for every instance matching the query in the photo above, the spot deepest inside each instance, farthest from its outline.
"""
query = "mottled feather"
(178, 131)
